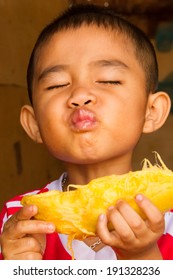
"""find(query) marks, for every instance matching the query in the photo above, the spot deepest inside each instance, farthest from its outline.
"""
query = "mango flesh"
(75, 213)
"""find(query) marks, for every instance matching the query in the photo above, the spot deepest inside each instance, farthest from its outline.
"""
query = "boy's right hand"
(24, 238)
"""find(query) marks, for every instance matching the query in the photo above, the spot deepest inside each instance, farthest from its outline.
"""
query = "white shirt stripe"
(169, 223)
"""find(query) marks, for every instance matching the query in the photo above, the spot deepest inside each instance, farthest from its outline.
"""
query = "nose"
(77, 104)
(81, 97)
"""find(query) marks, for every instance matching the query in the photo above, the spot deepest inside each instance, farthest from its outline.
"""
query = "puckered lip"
(82, 120)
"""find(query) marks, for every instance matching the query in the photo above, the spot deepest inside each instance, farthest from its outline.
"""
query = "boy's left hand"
(132, 237)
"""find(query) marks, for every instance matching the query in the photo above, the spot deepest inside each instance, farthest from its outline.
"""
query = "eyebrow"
(52, 69)
(102, 63)
(110, 63)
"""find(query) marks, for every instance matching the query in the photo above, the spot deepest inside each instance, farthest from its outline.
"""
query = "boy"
(92, 79)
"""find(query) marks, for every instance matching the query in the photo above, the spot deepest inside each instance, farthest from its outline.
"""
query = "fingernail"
(139, 197)
(111, 208)
(102, 217)
(32, 208)
(51, 227)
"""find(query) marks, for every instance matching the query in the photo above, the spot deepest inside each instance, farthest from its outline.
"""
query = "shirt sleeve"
(3, 219)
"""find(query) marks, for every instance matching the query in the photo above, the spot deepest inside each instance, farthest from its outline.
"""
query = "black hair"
(89, 14)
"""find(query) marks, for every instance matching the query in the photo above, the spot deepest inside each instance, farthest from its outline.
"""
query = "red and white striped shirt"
(56, 244)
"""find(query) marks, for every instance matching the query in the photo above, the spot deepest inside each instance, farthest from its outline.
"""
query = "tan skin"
(92, 94)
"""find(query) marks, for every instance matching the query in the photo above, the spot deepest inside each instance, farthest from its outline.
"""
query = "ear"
(157, 111)
(29, 123)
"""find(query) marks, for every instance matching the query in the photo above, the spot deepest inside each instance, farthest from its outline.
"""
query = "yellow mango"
(75, 212)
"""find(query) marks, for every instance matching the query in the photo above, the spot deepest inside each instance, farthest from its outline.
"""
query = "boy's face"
(89, 95)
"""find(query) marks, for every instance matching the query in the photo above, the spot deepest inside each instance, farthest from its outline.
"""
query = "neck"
(81, 174)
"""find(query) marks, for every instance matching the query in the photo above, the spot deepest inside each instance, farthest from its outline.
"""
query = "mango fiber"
(75, 212)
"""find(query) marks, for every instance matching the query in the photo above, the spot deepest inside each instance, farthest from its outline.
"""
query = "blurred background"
(24, 165)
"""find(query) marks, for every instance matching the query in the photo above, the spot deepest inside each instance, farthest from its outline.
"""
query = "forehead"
(87, 42)
(86, 33)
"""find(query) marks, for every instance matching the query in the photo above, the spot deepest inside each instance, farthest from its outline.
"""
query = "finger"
(132, 219)
(41, 239)
(120, 221)
(155, 218)
(25, 227)
(26, 256)
(25, 213)
(20, 246)
(107, 237)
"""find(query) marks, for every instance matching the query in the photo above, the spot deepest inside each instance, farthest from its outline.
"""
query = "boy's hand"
(24, 238)
(132, 237)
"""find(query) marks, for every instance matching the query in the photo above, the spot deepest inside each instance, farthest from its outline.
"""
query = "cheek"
(50, 120)
(126, 121)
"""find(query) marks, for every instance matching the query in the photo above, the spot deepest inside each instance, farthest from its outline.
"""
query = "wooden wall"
(25, 165)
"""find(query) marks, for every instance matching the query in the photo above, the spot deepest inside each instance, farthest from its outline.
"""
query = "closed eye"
(110, 82)
(57, 86)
